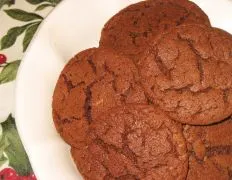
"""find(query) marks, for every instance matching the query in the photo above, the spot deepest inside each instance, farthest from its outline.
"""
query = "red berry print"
(8, 174)
(30, 177)
(23, 178)
(2, 59)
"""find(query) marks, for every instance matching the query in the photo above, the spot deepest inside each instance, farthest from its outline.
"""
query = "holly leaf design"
(3, 145)
(9, 72)
(22, 15)
(29, 35)
(9, 39)
(35, 1)
(3, 160)
(48, 3)
(15, 152)
(6, 2)
(54, 2)
(43, 6)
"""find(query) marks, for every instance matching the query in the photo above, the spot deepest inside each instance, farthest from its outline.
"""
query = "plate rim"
(18, 78)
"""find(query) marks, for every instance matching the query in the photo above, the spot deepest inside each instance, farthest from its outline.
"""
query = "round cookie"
(130, 31)
(133, 142)
(210, 150)
(187, 72)
(94, 81)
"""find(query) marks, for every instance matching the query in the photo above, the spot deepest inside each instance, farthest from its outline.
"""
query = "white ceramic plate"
(73, 26)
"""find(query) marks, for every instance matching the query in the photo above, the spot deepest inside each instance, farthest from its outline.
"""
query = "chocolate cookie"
(94, 81)
(133, 142)
(132, 28)
(187, 72)
(210, 151)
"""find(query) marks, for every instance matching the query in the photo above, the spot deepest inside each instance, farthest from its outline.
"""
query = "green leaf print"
(29, 35)
(9, 72)
(3, 146)
(43, 6)
(22, 15)
(54, 2)
(35, 1)
(47, 3)
(3, 160)
(14, 151)
(9, 39)
(6, 2)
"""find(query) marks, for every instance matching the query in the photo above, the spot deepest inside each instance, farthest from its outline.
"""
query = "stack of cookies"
(154, 100)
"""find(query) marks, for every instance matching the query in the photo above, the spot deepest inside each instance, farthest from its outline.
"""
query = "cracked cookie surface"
(94, 81)
(187, 72)
(210, 150)
(130, 31)
(133, 142)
